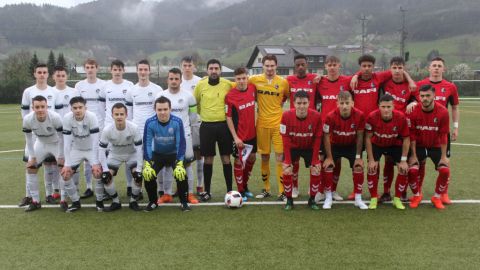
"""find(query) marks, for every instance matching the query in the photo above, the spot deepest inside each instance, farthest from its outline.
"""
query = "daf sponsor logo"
(428, 128)
(49, 97)
(343, 133)
(329, 97)
(385, 136)
(440, 98)
(265, 92)
(365, 91)
(308, 90)
(247, 105)
(399, 99)
(301, 134)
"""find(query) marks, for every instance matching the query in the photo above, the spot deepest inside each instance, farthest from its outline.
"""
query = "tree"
(33, 64)
(61, 61)
(164, 60)
(432, 54)
(461, 72)
(51, 63)
(15, 76)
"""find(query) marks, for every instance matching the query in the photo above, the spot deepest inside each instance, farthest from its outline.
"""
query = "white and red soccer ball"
(233, 199)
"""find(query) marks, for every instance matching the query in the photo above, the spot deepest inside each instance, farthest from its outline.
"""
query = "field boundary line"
(11, 151)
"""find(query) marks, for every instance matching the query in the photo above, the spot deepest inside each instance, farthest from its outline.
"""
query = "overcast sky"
(71, 3)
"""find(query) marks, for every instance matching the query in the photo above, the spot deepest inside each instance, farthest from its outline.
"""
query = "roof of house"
(285, 54)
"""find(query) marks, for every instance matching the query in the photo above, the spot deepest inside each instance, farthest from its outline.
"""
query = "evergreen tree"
(51, 63)
(33, 64)
(61, 61)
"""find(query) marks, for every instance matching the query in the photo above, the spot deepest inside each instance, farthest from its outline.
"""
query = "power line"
(364, 20)
(403, 33)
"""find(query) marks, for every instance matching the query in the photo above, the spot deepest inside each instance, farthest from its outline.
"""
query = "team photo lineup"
(160, 136)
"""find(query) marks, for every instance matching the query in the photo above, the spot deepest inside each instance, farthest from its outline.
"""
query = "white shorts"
(115, 161)
(45, 152)
(77, 156)
(188, 148)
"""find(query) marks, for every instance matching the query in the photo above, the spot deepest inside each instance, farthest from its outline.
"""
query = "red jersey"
(306, 84)
(343, 131)
(400, 92)
(390, 133)
(328, 91)
(301, 133)
(429, 129)
(240, 105)
(445, 91)
(367, 92)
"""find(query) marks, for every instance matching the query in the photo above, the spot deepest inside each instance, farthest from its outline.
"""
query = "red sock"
(413, 179)
(327, 180)
(287, 185)
(238, 173)
(314, 184)
(246, 172)
(388, 175)
(296, 168)
(421, 175)
(442, 180)
(336, 174)
(400, 185)
(372, 181)
(358, 182)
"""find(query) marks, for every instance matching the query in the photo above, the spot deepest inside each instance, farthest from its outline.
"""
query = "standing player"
(189, 81)
(40, 88)
(210, 95)
(89, 89)
(115, 91)
(343, 137)
(429, 131)
(47, 127)
(387, 134)
(272, 90)
(301, 81)
(240, 112)
(301, 130)
(183, 106)
(164, 147)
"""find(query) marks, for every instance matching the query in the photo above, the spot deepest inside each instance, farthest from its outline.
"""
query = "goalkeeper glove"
(148, 172)
(137, 177)
(106, 178)
(179, 172)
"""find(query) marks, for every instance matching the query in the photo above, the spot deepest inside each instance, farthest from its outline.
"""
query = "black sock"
(227, 173)
(182, 189)
(207, 176)
(151, 187)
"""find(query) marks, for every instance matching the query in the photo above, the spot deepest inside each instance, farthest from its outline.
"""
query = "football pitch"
(257, 236)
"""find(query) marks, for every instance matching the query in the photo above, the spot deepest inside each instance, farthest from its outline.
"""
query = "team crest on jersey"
(395, 129)
(193, 87)
(66, 97)
(49, 97)
(404, 92)
(128, 138)
(124, 91)
(150, 94)
(342, 88)
(373, 85)
(180, 101)
(368, 126)
(85, 126)
(49, 129)
(353, 126)
(309, 82)
(435, 120)
(98, 91)
(443, 90)
(170, 130)
(276, 86)
(309, 127)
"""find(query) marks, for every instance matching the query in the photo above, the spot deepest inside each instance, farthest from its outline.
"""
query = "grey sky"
(71, 3)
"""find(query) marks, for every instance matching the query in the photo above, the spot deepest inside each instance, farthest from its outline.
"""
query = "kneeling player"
(343, 137)
(47, 127)
(164, 138)
(387, 134)
(429, 128)
(301, 130)
(126, 147)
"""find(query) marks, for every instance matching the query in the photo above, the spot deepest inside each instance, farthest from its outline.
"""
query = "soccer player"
(343, 137)
(240, 112)
(429, 128)
(125, 147)
(164, 147)
(387, 134)
(301, 81)
(80, 140)
(210, 94)
(446, 94)
(183, 106)
(272, 90)
(47, 127)
(41, 88)
(115, 91)
(89, 89)
(301, 130)
(189, 81)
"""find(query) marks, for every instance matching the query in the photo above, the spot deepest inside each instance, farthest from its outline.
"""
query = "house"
(315, 57)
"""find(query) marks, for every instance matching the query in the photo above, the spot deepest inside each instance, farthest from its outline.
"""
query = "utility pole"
(403, 33)
(364, 20)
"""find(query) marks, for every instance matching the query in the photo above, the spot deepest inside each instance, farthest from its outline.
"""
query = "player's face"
(242, 81)
(188, 67)
(366, 68)
(40, 108)
(143, 71)
(91, 70)
(333, 68)
(119, 115)
(117, 72)
(386, 109)
(41, 74)
(397, 71)
(427, 98)
(213, 71)
(163, 112)
(345, 106)
(79, 110)
(301, 107)
(301, 67)
(270, 68)
(436, 68)
(174, 80)
(60, 77)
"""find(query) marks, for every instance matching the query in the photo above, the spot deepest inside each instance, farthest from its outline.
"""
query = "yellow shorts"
(268, 136)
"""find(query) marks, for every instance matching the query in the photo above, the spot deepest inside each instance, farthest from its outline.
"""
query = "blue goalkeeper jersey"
(164, 138)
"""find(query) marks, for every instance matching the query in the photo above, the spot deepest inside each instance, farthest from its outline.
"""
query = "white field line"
(11, 151)
(466, 144)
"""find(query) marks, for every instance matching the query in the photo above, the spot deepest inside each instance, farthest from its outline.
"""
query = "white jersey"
(91, 93)
(28, 94)
(46, 131)
(189, 85)
(122, 142)
(113, 93)
(139, 101)
(81, 131)
(181, 102)
(63, 99)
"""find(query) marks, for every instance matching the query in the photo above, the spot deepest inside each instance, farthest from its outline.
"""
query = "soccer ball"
(233, 199)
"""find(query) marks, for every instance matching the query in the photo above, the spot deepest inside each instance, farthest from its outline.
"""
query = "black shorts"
(161, 160)
(306, 154)
(434, 153)
(212, 133)
(251, 142)
(349, 152)
(393, 151)
(115, 168)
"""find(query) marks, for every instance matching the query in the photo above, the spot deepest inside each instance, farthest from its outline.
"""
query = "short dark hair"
(343, 95)
(437, 58)
(366, 58)
(187, 59)
(426, 87)
(144, 62)
(117, 63)
(40, 65)
(385, 98)
(299, 56)
(240, 71)
(213, 61)
(397, 60)
(301, 94)
(119, 105)
(271, 57)
(175, 71)
(162, 99)
(59, 68)
(38, 98)
(77, 99)
(333, 59)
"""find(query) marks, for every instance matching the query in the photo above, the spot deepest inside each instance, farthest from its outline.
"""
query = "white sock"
(62, 190)
(200, 173)
(135, 191)
(32, 182)
(87, 170)
(56, 177)
(48, 174)
(189, 170)
(168, 181)
(128, 174)
(99, 190)
(110, 189)
(160, 177)
(76, 179)
(71, 190)
(27, 191)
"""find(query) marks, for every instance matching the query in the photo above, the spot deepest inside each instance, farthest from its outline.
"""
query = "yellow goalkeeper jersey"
(211, 99)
